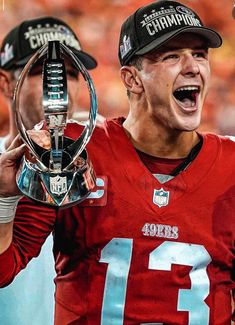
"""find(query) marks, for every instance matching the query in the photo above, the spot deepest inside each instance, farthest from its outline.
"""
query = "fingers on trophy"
(56, 170)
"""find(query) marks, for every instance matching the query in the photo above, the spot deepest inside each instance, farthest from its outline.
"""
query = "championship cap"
(156, 23)
(26, 38)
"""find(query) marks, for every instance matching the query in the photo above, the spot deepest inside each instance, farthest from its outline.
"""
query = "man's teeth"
(187, 95)
(189, 88)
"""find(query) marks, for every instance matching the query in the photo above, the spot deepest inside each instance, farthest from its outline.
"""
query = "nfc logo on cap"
(125, 47)
(184, 10)
(7, 54)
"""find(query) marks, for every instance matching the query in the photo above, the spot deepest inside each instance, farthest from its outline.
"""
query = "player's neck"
(161, 144)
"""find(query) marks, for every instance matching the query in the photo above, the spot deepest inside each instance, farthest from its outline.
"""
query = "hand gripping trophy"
(63, 174)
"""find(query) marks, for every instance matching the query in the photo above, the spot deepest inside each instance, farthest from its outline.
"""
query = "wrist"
(8, 208)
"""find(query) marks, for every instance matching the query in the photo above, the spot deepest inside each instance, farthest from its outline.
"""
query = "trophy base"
(67, 188)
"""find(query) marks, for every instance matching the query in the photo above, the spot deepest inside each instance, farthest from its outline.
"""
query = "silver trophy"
(63, 174)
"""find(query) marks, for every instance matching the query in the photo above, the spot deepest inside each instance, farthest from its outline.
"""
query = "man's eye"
(201, 55)
(170, 57)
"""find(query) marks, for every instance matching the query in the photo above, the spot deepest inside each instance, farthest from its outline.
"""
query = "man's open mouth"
(187, 96)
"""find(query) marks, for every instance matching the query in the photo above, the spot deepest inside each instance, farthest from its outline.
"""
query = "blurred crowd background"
(97, 23)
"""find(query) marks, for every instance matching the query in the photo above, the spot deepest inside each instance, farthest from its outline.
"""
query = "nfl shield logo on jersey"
(161, 197)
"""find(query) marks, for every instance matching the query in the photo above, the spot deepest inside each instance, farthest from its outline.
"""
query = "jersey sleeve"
(32, 225)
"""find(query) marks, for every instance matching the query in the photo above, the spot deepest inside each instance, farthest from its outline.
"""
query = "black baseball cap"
(26, 38)
(158, 22)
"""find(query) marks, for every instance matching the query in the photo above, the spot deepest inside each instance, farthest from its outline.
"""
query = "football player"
(154, 244)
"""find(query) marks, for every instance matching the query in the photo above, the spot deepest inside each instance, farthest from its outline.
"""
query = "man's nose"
(190, 66)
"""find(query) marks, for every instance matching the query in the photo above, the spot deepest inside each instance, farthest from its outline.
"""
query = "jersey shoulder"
(224, 142)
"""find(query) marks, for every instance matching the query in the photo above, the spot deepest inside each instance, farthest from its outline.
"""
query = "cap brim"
(88, 61)
(213, 38)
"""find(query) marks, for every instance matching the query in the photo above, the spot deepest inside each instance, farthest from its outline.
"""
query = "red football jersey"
(137, 251)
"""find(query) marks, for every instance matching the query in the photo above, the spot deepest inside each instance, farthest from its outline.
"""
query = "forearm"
(6, 231)
(7, 213)
(32, 225)
(32, 222)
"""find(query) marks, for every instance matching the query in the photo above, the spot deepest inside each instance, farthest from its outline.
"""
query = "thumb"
(15, 153)
(15, 143)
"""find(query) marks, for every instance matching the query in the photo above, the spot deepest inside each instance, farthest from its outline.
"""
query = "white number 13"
(117, 253)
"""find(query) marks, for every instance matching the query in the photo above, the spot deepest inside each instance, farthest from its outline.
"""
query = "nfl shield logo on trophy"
(161, 197)
(58, 184)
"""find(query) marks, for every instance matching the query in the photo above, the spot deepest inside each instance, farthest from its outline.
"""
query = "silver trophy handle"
(79, 145)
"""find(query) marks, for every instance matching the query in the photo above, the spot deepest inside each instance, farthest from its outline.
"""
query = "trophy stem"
(56, 154)
(55, 103)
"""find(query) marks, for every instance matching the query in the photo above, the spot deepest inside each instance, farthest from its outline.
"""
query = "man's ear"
(131, 79)
(6, 86)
